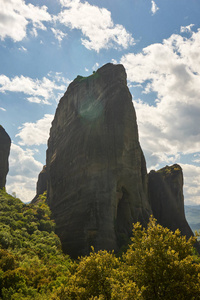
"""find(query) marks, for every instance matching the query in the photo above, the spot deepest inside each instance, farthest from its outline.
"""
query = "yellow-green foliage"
(31, 259)
(168, 170)
(158, 264)
(162, 263)
(82, 78)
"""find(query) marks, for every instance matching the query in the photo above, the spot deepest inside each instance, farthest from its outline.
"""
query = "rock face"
(41, 184)
(5, 143)
(166, 198)
(97, 183)
(97, 179)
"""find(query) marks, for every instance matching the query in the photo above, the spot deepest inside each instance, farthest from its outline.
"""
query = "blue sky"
(44, 45)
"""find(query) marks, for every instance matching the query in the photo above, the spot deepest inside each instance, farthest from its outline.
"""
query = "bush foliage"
(158, 264)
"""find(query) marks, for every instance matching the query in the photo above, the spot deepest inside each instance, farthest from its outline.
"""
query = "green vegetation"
(82, 78)
(169, 169)
(158, 264)
(31, 260)
(162, 263)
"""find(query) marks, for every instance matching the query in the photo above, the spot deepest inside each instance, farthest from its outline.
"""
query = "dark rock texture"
(5, 143)
(41, 184)
(97, 179)
(166, 198)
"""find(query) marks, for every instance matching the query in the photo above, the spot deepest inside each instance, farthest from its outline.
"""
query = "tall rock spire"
(167, 200)
(5, 143)
(96, 171)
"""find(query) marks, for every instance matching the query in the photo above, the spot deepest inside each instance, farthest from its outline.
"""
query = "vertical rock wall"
(97, 179)
(166, 198)
(5, 143)
(41, 184)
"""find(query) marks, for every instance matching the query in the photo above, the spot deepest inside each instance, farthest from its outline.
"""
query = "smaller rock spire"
(5, 143)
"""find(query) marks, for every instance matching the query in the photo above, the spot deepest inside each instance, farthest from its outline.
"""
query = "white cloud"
(34, 32)
(35, 133)
(37, 100)
(96, 25)
(59, 35)
(169, 122)
(187, 28)
(15, 15)
(3, 109)
(95, 67)
(196, 158)
(171, 70)
(37, 91)
(191, 184)
(23, 173)
(154, 7)
(23, 49)
(113, 61)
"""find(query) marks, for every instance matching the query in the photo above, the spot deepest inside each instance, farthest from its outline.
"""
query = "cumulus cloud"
(96, 24)
(169, 121)
(191, 184)
(35, 133)
(17, 18)
(171, 70)
(15, 15)
(154, 7)
(23, 173)
(36, 91)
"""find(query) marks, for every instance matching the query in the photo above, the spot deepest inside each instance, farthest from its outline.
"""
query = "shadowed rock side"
(5, 143)
(167, 200)
(97, 179)
(41, 184)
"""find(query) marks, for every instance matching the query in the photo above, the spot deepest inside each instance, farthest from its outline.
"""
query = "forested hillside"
(158, 264)
(31, 260)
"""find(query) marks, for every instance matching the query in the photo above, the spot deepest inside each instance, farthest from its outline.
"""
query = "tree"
(90, 277)
(162, 263)
(99, 276)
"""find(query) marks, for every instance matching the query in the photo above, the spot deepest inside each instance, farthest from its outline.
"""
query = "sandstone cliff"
(97, 179)
(41, 184)
(166, 198)
(5, 143)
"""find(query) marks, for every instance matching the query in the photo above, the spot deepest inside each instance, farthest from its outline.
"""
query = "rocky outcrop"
(97, 183)
(166, 198)
(97, 179)
(41, 184)
(5, 143)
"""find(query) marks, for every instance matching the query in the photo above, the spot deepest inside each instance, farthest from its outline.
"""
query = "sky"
(45, 44)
